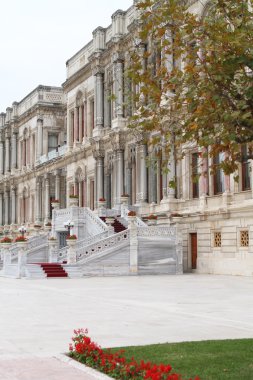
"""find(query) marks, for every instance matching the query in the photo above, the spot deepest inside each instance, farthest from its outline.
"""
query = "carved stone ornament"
(118, 140)
(97, 147)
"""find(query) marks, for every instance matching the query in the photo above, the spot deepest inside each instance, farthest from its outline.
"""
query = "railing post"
(179, 250)
(133, 245)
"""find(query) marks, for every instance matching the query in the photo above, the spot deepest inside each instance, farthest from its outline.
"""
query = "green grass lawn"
(210, 360)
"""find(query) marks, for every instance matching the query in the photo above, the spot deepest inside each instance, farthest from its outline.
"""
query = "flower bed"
(20, 239)
(71, 237)
(114, 364)
(6, 240)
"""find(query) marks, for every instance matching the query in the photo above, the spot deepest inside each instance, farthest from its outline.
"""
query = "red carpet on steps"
(118, 227)
(53, 270)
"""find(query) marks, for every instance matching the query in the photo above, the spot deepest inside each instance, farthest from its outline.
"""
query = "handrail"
(95, 219)
(80, 244)
(100, 246)
(169, 232)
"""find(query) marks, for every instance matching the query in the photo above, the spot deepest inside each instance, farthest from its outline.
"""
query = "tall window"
(52, 142)
(245, 169)
(195, 179)
(218, 177)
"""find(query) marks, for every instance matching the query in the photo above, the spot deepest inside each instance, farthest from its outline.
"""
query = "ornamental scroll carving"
(118, 140)
(97, 147)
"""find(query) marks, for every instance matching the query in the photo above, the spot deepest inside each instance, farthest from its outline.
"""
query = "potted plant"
(71, 240)
(55, 203)
(176, 216)
(21, 241)
(52, 241)
(124, 198)
(131, 216)
(48, 226)
(73, 200)
(71, 237)
(152, 219)
(6, 242)
(101, 202)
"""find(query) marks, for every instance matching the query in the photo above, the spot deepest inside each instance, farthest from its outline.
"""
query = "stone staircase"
(117, 224)
(53, 270)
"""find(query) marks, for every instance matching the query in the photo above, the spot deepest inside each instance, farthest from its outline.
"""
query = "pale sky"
(37, 37)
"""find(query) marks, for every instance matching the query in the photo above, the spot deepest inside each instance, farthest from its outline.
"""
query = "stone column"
(57, 186)
(69, 131)
(142, 173)
(80, 119)
(1, 158)
(227, 189)
(171, 191)
(1, 209)
(38, 202)
(14, 150)
(13, 205)
(46, 199)
(152, 182)
(114, 179)
(39, 138)
(7, 154)
(120, 174)
(99, 99)
(203, 181)
(118, 86)
(100, 177)
(6, 207)
(76, 117)
(89, 119)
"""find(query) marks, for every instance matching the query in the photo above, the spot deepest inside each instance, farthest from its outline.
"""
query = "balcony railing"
(53, 154)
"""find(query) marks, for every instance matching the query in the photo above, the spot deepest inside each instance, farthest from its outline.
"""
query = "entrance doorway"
(194, 249)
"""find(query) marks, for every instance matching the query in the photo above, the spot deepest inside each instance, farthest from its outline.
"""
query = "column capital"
(97, 147)
(118, 141)
(118, 57)
(98, 70)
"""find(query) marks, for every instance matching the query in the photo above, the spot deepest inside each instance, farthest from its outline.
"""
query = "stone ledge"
(82, 367)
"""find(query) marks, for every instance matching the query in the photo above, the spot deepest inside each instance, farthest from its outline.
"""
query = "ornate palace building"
(74, 140)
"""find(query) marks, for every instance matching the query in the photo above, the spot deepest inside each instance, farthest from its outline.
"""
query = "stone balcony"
(52, 155)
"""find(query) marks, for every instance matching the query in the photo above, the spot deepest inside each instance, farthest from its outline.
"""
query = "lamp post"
(22, 230)
(69, 225)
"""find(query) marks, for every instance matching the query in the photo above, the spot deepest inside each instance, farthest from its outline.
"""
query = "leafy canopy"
(193, 77)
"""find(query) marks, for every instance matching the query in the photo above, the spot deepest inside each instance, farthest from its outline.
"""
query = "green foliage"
(194, 76)
(212, 360)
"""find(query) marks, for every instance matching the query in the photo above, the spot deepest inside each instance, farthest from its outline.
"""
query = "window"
(52, 142)
(195, 179)
(245, 169)
(218, 177)
(244, 238)
(217, 239)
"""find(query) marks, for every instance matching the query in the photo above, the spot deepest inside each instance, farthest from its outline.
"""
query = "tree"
(194, 76)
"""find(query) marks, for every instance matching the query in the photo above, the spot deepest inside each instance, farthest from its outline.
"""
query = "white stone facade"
(74, 140)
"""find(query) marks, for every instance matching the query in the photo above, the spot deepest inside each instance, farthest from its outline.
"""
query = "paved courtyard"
(37, 316)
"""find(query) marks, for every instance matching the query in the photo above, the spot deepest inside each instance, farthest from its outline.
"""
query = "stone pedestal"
(133, 245)
(22, 258)
(53, 255)
(55, 205)
(5, 248)
(71, 255)
(109, 221)
(73, 202)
